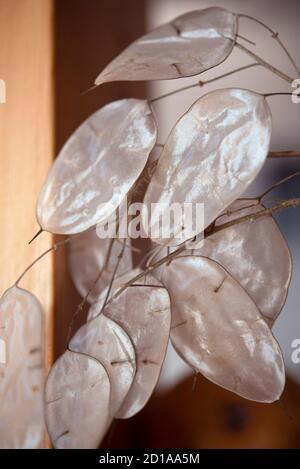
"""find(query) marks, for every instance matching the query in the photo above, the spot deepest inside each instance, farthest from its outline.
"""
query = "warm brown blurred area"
(198, 414)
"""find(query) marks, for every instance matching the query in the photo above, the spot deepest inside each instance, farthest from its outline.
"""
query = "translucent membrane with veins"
(87, 255)
(77, 402)
(144, 313)
(219, 331)
(211, 156)
(254, 252)
(21, 370)
(106, 341)
(97, 167)
(186, 46)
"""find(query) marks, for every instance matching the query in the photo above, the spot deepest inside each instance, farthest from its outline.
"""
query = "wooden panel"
(26, 144)
(88, 35)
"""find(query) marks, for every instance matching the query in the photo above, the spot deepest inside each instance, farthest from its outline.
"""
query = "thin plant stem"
(284, 154)
(279, 93)
(271, 154)
(53, 248)
(274, 36)
(85, 298)
(263, 62)
(112, 278)
(290, 203)
(278, 183)
(246, 39)
(201, 83)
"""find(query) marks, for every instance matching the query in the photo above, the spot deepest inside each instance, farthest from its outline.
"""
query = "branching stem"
(290, 203)
(201, 83)
(53, 248)
(263, 62)
(274, 36)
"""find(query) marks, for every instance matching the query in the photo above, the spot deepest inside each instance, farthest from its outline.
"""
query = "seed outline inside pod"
(97, 167)
(229, 133)
(234, 349)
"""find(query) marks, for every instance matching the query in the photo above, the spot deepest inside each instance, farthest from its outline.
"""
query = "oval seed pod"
(21, 370)
(144, 313)
(211, 156)
(188, 45)
(77, 402)
(219, 331)
(108, 343)
(246, 250)
(87, 256)
(97, 167)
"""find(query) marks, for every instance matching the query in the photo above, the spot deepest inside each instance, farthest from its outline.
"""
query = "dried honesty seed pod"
(188, 45)
(211, 156)
(246, 250)
(97, 167)
(77, 402)
(219, 331)
(108, 343)
(87, 256)
(21, 370)
(144, 313)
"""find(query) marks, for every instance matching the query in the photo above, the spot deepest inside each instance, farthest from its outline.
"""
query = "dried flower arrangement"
(216, 300)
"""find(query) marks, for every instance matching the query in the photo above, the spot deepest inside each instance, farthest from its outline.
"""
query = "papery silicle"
(186, 46)
(211, 156)
(219, 331)
(106, 341)
(21, 370)
(97, 167)
(77, 400)
(246, 250)
(144, 314)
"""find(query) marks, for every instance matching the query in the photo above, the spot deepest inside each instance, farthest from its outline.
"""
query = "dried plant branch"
(201, 83)
(278, 93)
(290, 203)
(85, 298)
(274, 36)
(284, 154)
(246, 39)
(263, 62)
(53, 248)
(112, 278)
(278, 183)
(271, 154)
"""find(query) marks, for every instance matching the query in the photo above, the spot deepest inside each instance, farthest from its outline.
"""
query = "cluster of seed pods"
(216, 303)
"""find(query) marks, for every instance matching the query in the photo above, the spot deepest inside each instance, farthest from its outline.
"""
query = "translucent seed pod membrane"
(77, 402)
(106, 341)
(219, 331)
(21, 371)
(144, 313)
(186, 46)
(211, 156)
(265, 277)
(97, 167)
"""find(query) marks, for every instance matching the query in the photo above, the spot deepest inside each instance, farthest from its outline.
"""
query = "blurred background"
(185, 411)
